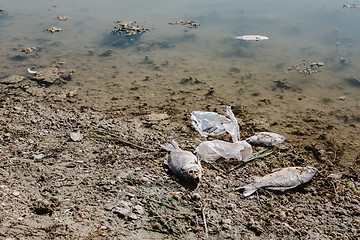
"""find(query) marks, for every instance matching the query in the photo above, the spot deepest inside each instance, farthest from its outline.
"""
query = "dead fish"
(281, 179)
(251, 37)
(267, 139)
(183, 164)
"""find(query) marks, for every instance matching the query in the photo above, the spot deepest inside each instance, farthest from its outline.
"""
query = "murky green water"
(240, 72)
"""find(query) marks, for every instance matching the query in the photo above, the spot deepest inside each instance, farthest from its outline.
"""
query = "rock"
(138, 209)
(335, 176)
(122, 212)
(231, 206)
(38, 156)
(16, 193)
(132, 216)
(76, 136)
(144, 179)
(195, 197)
(49, 75)
(226, 221)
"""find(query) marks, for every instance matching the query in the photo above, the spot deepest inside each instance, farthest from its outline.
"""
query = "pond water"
(150, 69)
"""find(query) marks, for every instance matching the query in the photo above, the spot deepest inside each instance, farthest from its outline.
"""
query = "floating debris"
(128, 28)
(62, 18)
(267, 139)
(189, 24)
(350, 5)
(251, 37)
(30, 71)
(307, 67)
(183, 164)
(52, 29)
(29, 49)
(281, 179)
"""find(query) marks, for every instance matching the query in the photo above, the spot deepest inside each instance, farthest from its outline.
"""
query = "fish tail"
(248, 190)
(171, 146)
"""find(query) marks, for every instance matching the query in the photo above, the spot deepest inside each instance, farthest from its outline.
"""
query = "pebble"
(16, 193)
(132, 216)
(231, 206)
(227, 221)
(335, 176)
(195, 197)
(138, 209)
(38, 156)
(122, 212)
(144, 179)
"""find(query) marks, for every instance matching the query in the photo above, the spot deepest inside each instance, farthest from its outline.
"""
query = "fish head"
(193, 172)
(309, 172)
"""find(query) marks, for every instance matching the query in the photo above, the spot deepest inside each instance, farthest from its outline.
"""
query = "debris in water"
(32, 72)
(29, 49)
(281, 179)
(52, 29)
(307, 67)
(350, 5)
(189, 24)
(63, 18)
(267, 139)
(128, 28)
(251, 37)
(183, 164)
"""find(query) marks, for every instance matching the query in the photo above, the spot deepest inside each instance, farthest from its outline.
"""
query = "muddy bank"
(112, 183)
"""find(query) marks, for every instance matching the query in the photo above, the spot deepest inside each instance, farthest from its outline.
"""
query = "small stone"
(132, 216)
(16, 193)
(76, 136)
(138, 209)
(227, 221)
(195, 197)
(335, 176)
(342, 98)
(126, 204)
(122, 212)
(144, 179)
(231, 206)
(38, 156)
(30, 141)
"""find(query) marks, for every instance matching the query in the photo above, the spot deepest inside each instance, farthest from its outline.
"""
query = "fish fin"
(166, 160)
(171, 146)
(275, 170)
(281, 188)
(248, 190)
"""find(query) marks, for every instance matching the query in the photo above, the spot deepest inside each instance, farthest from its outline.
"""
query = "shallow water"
(238, 72)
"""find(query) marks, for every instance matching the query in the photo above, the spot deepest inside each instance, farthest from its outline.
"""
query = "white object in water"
(33, 72)
(252, 37)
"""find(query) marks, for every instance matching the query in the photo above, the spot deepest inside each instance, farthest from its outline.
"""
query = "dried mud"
(112, 184)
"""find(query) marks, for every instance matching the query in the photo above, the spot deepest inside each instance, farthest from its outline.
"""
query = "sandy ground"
(111, 184)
